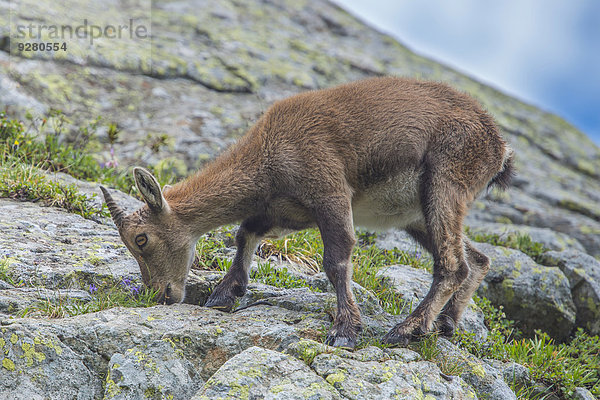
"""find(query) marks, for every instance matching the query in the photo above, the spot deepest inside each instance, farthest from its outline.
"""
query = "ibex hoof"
(341, 342)
(402, 335)
(221, 303)
(445, 325)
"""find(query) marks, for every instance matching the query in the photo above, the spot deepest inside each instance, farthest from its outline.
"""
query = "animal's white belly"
(393, 203)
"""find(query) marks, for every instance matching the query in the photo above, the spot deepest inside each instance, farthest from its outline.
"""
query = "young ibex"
(379, 153)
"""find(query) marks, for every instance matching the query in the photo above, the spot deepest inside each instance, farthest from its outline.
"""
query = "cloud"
(543, 51)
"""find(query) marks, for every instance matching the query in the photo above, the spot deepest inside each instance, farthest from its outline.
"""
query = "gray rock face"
(373, 373)
(378, 378)
(536, 296)
(155, 370)
(583, 273)
(37, 364)
(583, 394)
(168, 350)
(258, 373)
(239, 57)
(487, 381)
(49, 247)
(550, 239)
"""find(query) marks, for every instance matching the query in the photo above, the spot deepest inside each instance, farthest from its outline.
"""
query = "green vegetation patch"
(48, 145)
(53, 144)
(105, 295)
(24, 182)
(279, 277)
(209, 250)
(561, 367)
(306, 247)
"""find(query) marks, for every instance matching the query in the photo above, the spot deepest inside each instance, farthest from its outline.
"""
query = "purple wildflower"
(128, 284)
(93, 288)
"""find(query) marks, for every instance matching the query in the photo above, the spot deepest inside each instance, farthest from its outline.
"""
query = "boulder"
(138, 348)
(49, 247)
(36, 364)
(373, 373)
(258, 373)
(583, 273)
(487, 381)
(535, 296)
(151, 370)
(583, 394)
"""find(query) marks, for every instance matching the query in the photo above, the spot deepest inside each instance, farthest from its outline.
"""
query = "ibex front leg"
(234, 283)
(337, 232)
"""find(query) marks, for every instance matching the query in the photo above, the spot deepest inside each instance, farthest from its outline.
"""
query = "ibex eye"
(141, 240)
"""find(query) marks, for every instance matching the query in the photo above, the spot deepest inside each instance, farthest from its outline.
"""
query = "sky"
(544, 52)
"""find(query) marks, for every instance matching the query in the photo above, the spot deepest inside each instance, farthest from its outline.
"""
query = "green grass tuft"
(6, 272)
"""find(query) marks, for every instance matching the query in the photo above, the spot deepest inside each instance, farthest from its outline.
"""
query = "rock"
(12, 96)
(516, 375)
(381, 377)
(411, 283)
(396, 239)
(154, 370)
(92, 191)
(213, 74)
(211, 56)
(177, 340)
(486, 380)
(259, 373)
(321, 301)
(374, 373)
(17, 300)
(49, 247)
(535, 296)
(37, 364)
(583, 394)
(583, 273)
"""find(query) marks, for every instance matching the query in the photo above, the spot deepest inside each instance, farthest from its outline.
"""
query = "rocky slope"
(208, 71)
(186, 349)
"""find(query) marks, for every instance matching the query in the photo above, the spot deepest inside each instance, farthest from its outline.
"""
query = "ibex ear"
(166, 187)
(150, 190)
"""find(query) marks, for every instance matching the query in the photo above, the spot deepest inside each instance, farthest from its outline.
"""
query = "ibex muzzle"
(379, 153)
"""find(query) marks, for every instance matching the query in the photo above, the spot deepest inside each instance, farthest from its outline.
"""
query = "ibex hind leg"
(479, 265)
(235, 281)
(441, 234)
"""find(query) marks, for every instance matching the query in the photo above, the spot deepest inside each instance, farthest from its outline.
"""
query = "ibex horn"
(115, 211)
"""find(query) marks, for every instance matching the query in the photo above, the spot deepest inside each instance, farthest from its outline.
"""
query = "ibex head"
(157, 239)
